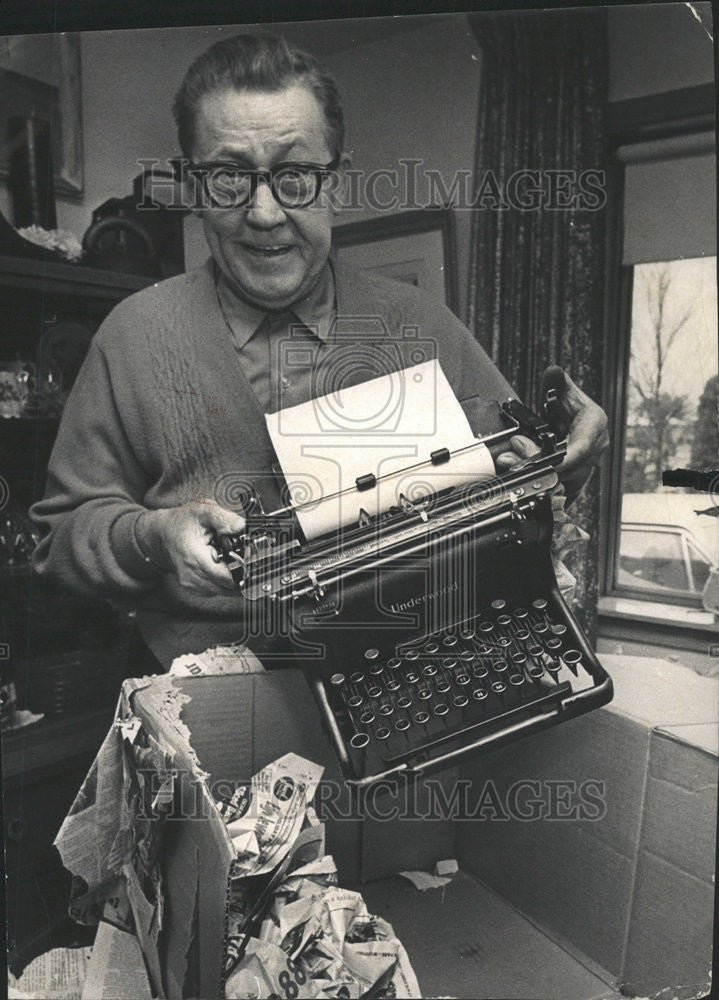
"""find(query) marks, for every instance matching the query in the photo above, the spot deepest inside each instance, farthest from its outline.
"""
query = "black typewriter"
(436, 630)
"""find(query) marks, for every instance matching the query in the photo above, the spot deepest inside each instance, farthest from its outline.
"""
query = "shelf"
(69, 279)
(34, 751)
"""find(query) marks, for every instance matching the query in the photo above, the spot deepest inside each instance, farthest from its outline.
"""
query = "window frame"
(660, 116)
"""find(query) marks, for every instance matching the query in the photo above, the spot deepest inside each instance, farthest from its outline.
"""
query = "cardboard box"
(543, 907)
(632, 889)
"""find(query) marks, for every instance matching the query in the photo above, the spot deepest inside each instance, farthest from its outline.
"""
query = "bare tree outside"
(666, 319)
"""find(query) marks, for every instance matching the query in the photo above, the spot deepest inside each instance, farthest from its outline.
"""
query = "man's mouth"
(265, 252)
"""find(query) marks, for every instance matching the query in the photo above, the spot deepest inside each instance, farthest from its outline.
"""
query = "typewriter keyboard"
(508, 659)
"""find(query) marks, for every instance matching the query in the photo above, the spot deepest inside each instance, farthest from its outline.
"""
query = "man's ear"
(339, 191)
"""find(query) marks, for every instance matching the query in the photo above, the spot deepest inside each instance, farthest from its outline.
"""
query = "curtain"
(537, 260)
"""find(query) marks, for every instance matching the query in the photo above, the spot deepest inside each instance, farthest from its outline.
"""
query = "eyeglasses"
(294, 185)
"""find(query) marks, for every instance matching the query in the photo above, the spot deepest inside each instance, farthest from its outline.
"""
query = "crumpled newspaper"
(293, 932)
(320, 941)
(265, 818)
(566, 536)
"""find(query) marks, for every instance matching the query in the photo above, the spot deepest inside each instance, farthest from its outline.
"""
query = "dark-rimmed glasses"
(230, 185)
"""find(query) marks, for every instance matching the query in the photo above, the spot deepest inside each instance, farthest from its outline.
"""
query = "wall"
(657, 47)
(408, 93)
(129, 78)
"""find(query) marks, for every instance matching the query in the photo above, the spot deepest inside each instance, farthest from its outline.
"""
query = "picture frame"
(41, 75)
(417, 246)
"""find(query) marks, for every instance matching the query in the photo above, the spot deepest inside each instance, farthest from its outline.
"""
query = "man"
(133, 482)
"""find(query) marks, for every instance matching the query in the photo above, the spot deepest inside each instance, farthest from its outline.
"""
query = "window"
(672, 369)
(665, 396)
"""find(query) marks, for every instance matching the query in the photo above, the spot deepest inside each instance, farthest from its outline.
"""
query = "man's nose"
(263, 209)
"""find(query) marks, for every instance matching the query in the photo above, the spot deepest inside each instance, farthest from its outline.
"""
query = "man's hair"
(257, 62)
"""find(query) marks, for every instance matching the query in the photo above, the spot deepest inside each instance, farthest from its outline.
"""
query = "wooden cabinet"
(67, 656)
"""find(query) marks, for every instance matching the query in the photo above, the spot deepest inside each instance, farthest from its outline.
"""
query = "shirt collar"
(315, 310)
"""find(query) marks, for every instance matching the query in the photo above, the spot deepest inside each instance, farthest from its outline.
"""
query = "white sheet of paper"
(380, 427)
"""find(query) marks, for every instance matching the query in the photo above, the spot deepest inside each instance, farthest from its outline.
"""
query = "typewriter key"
(559, 629)
(540, 627)
(422, 718)
(373, 691)
(460, 701)
(431, 647)
(486, 627)
(393, 684)
(357, 677)
(499, 666)
(401, 725)
(504, 620)
(479, 694)
(337, 679)
(516, 680)
(376, 669)
(394, 663)
(520, 613)
(467, 633)
(499, 687)
(411, 676)
(499, 604)
(449, 662)
(450, 640)
(352, 699)
(404, 701)
(367, 716)
(382, 733)
(522, 634)
(484, 649)
(468, 656)
(411, 654)
(424, 693)
(441, 709)
(441, 686)
(359, 741)
(430, 670)
(519, 659)
(540, 604)
(479, 672)
(572, 658)
(554, 644)
(371, 654)
(386, 708)
(462, 679)
(503, 641)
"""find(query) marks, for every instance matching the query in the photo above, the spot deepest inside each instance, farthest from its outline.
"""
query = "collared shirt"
(280, 352)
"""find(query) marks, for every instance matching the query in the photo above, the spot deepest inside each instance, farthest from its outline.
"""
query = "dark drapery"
(536, 284)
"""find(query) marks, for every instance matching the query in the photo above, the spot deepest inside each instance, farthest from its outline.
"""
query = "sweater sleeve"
(92, 501)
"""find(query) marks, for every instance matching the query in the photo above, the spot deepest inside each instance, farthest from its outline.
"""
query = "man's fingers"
(211, 515)
(215, 573)
(522, 449)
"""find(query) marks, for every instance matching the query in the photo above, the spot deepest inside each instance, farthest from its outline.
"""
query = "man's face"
(271, 255)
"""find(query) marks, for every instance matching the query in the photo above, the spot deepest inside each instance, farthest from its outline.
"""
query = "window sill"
(647, 628)
(656, 613)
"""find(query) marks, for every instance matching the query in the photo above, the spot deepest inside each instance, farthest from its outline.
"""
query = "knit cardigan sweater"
(161, 415)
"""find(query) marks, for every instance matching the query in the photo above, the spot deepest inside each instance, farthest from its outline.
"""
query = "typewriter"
(435, 630)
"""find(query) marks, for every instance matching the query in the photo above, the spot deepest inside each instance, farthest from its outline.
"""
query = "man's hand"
(587, 439)
(178, 538)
